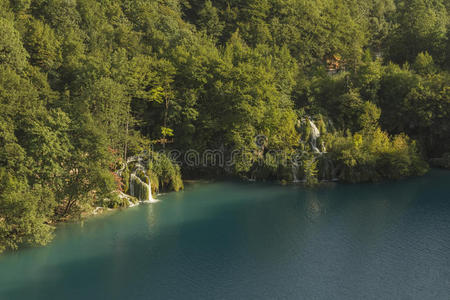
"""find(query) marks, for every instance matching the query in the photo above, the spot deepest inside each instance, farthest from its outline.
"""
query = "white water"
(294, 173)
(315, 134)
(134, 179)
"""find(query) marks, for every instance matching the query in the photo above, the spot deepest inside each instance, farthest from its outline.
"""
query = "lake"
(231, 240)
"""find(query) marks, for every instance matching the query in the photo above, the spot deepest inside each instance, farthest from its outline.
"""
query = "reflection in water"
(151, 216)
(314, 206)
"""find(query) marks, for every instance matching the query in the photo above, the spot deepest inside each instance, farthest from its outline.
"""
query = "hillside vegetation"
(354, 90)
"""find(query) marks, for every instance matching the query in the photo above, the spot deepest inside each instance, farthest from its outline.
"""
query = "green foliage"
(209, 20)
(373, 156)
(310, 171)
(424, 64)
(421, 26)
(12, 52)
(23, 211)
(42, 45)
(368, 77)
(164, 174)
(166, 131)
(86, 84)
(114, 201)
(109, 105)
(418, 105)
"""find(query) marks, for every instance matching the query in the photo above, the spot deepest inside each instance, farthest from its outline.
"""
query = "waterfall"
(315, 134)
(131, 186)
(141, 189)
(294, 173)
(327, 170)
(150, 196)
(140, 184)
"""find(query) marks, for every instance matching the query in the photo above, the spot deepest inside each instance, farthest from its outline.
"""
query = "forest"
(348, 90)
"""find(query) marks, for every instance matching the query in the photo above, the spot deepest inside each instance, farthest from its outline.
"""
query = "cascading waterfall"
(325, 162)
(328, 165)
(315, 134)
(139, 188)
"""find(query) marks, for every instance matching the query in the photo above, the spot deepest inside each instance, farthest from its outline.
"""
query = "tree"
(22, 213)
(42, 45)
(310, 171)
(208, 20)
(109, 105)
(424, 64)
(421, 26)
(12, 52)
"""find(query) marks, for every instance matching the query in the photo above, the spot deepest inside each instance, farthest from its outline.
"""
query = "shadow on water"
(252, 241)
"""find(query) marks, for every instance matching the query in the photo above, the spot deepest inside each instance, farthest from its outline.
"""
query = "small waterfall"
(141, 189)
(131, 186)
(294, 173)
(315, 134)
(150, 196)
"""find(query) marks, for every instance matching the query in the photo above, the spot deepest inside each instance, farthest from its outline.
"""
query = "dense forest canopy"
(359, 87)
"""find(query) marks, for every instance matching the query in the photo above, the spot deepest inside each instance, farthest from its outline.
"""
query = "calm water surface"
(251, 241)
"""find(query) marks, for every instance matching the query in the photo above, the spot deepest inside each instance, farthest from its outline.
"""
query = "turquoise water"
(251, 241)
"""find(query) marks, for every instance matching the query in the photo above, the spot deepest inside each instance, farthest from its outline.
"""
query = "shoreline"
(98, 211)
